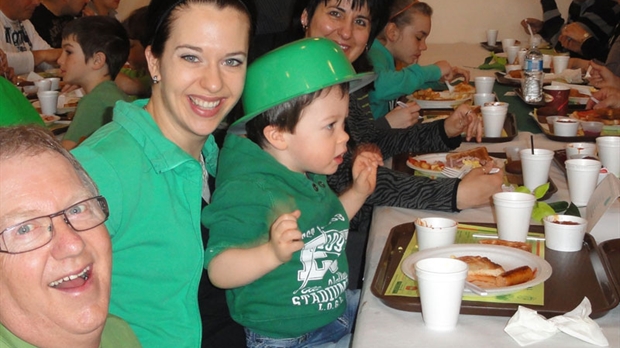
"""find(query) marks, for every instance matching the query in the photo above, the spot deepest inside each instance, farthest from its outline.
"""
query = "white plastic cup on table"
(491, 37)
(440, 284)
(507, 42)
(560, 63)
(547, 58)
(565, 127)
(580, 150)
(48, 101)
(535, 167)
(592, 128)
(582, 177)
(513, 211)
(54, 83)
(481, 98)
(564, 232)
(493, 118)
(511, 53)
(435, 232)
(609, 153)
(43, 85)
(484, 84)
(551, 122)
(521, 57)
(512, 153)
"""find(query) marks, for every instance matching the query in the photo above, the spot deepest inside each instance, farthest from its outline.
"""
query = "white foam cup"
(493, 118)
(484, 84)
(513, 211)
(535, 167)
(565, 127)
(49, 102)
(54, 83)
(578, 150)
(609, 153)
(507, 42)
(440, 284)
(511, 53)
(560, 63)
(563, 237)
(582, 177)
(435, 232)
(43, 85)
(481, 98)
(491, 37)
(521, 57)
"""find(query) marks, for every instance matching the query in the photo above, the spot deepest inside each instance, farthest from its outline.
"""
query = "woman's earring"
(155, 79)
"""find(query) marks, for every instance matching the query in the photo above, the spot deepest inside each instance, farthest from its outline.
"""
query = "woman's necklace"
(206, 193)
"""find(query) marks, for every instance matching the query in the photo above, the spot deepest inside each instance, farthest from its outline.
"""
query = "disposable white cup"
(513, 211)
(609, 153)
(535, 167)
(481, 98)
(547, 61)
(49, 102)
(568, 238)
(484, 84)
(511, 53)
(521, 57)
(435, 232)
(440, 284)
(507, 42)
(54, 83)
(565, 127)
(43, 85)
(491, 37)
(493, 118)
(512, 153)
(582, 177)
(578, 150)
(560, 63)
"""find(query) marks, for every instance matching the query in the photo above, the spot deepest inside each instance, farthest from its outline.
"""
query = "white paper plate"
(507, 257)
(430, 158)
(441, 104)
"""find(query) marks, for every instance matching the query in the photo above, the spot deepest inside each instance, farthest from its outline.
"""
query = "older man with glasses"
(55, 251)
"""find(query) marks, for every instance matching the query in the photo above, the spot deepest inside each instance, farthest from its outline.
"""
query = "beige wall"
(455, 20)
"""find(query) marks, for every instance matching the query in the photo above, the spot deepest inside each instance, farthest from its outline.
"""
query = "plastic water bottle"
(533, 75)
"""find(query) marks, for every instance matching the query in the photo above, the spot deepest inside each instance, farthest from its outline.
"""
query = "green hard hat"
(298, 68)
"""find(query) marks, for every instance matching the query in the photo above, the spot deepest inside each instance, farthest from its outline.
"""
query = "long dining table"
(379, 325)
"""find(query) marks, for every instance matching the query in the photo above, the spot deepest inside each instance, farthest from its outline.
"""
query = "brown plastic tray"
(575, 139)
(510, 125)
(575, 275)
(399, 163)
(497, 48)
(610, 250)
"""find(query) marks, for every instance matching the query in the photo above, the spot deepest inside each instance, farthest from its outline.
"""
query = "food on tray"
(608, 116)
(48, 118)
(488, 274)
(464, 87)
(516, 74)
(512, 244)
(435, 165)
(475, 158)
(575, 93)
(429, 94)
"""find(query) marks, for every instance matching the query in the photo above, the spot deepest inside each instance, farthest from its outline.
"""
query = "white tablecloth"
(382, 326)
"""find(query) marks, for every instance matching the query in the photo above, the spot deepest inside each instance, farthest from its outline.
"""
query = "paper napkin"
(32, 76)
(528, 327)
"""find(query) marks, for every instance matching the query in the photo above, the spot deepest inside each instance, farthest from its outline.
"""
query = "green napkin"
(493, 62)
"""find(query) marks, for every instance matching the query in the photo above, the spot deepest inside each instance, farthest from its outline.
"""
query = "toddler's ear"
(275, 137)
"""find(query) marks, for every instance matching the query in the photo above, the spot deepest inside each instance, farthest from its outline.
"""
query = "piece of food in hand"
(475, 158)
(369, 147)
(608, 116)
(518, 245)
(482, 271)
(515, 276)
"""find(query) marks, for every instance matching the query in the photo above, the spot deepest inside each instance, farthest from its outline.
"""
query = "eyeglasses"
(35, 233)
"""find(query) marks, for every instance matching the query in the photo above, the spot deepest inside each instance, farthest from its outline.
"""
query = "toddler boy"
(277, 231)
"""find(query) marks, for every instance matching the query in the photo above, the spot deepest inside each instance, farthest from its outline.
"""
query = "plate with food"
(429, 99)
(49, 119)
(429, 164)
(433, 164)
(496, 268)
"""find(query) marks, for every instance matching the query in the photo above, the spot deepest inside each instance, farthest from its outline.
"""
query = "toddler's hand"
(285, 237)
(367, 158)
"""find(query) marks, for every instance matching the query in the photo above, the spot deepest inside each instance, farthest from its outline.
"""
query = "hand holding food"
(464, 119)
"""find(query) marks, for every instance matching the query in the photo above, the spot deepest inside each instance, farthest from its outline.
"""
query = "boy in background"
(277, 231)
(94, 50)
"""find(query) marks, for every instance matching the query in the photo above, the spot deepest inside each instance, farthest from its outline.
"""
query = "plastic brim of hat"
(299, 68)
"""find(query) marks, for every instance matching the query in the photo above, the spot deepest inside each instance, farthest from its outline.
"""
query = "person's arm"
(608, 98)
(237, 267)
(601, 76)
(477, 187)
(552, 22)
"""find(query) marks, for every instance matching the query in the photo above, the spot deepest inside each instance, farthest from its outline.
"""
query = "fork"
(454, 172)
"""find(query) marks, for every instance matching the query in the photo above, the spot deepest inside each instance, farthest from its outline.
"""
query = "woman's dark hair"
(103, 34)
(378, 10)
(160, 19)
(285, 116)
